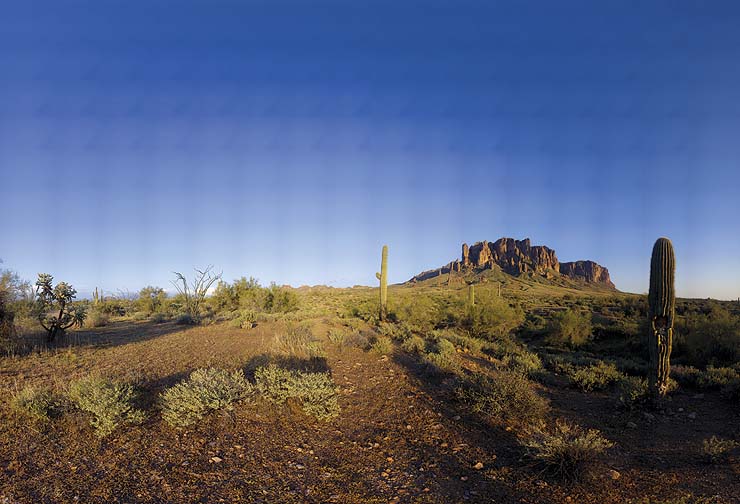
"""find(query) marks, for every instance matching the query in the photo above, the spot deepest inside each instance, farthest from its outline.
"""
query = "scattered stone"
(216, 460)
(478, 466)
(648, 416)
(463, 478)
(614, 475)
(631, 425)
(389, 459)
(692, 415)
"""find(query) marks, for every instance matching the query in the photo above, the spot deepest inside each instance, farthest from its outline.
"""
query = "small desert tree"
(194, 293)
(54, 307)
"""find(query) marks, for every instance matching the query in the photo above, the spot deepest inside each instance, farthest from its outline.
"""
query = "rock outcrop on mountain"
(516, 257)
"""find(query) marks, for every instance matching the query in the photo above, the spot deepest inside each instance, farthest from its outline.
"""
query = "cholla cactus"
(383, 277)
(661, 301)
(54, 308)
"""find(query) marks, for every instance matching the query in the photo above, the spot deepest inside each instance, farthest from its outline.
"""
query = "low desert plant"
(632, 391)
(109, 401)
(596, 377)
(566, 451)
(522, 361)
(414, 344)
(569, 328)
(382, 345)
(337, 336)
(38, 403)
(158, 318)
(715, 449)
(506, 396)
(298, 341)
(715, 378)
(97, 319)
(315, 392)
(204, 391)
(441, 356)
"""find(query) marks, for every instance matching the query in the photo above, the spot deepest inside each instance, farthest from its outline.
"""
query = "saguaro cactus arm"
(383, 277)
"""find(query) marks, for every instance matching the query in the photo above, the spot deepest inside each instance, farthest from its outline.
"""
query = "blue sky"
(290, 140)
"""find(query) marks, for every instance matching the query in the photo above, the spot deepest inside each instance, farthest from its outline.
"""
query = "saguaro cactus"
(471, 295)
(661, 305)
(383, 277)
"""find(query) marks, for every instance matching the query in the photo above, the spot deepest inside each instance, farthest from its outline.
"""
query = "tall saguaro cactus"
(661, 304)
(471, 295)
(383, 277)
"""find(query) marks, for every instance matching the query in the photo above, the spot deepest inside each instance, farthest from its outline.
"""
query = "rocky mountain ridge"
(517, 257)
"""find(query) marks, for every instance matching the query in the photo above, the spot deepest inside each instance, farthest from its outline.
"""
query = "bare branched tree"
(194, 293)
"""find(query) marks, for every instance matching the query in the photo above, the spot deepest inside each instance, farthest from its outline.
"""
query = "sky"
(289, 141)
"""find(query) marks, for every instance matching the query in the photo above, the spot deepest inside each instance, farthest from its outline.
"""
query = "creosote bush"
(298, 341)
(569, 328)
(38, 403)
(632, 391)
(204, 391)
(596, 377)
(566, 451)
(382, 345)
(414, 344)
(715, 449)
(109, 401)
(315, 392)
(506, 396)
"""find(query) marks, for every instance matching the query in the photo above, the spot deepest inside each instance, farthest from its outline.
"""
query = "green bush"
(569, 328)
(185, 319)
(709, 339)
(38, 403)
(280, 300)
(715, 378)
(566, 451)
(244, 319)
(298, 341)
(110, 402)
(491, 317)
(97, 319)
(686, 376)
(204, 391)
(632, 391)
(415, 345)
(158, 318)
(522, 361)
(440, 356)
(315, 392)
(382, 345)
(596, 377)
(337, 336)
(715, 449)
(505, 397)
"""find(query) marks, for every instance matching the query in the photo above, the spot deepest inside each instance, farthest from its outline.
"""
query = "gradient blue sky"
(290, 140)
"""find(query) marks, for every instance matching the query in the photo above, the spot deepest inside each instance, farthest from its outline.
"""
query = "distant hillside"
(518, 258)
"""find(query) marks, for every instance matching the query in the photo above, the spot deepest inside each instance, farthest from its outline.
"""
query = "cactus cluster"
(383, 277)
(661, 306)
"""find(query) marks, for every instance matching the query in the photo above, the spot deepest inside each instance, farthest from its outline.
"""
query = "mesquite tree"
(195, 293)
(54, 307)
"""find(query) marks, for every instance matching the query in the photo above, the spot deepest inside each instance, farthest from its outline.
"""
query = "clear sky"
(290, 140)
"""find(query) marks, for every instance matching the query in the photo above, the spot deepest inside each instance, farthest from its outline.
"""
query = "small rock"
(463, 478)
(692, 415)
(698, 396)
(478, 466)
(389, 459)
(631, 425)
(216, 460)
(614, 475)
(680, 410)
(456, 417)
(648, 416)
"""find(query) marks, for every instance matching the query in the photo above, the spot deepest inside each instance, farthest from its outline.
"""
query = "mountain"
(518, 257)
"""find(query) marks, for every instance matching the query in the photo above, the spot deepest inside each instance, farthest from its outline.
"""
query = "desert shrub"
(711, 338)
(38, 403)
(632, 391)
(110, 402)
(569, 328)
(715, 378)
(280, 299)
(244, 319)
(566, 451)
(468, 343)
(382, 345)
(522, 361)
(715, 449)
(399, 331)
(415, 344)
(97, 319)
(419, 312)
(686, 376)
(151, 300)
(337, 336)
(440, 356)
(298, 341)
(185, 319)
(596, 377)
(315, 392)
(204, 391)
(158, 318)
(504, 397)
(365, 309)
(491, 317)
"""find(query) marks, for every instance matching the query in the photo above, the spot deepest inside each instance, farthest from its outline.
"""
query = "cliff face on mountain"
(520, 256)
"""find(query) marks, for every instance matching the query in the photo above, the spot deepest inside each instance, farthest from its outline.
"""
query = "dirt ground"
(399, 437)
